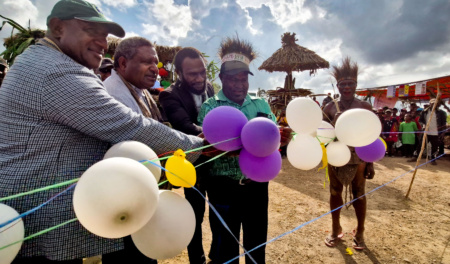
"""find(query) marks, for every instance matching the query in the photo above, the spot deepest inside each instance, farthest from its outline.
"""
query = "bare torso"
(330, 110)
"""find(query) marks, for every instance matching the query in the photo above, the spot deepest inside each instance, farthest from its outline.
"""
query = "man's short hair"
(128, 48)
(188, 52)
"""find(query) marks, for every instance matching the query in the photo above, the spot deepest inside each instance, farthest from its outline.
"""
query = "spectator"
(438, 122)
(380, 114)
(105, 68)
(390, 127)
(326, 100)
(408, 136)
(182, 102)
(401, 117)
(413, 107)
(394, 113)
(314, 99)
(57, 121)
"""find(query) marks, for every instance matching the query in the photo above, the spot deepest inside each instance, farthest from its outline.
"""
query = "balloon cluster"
(259, 138)
(9, 234)
(357, 128)
(119, 196)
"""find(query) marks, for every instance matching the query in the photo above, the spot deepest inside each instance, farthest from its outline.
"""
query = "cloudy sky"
(394, 41)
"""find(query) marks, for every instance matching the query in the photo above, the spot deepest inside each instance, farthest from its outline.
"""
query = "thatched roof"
(165, 53)
(293, 57)
(21, 37)
(113, 42)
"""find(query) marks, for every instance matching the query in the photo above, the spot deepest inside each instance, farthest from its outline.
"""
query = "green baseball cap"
(85, 11)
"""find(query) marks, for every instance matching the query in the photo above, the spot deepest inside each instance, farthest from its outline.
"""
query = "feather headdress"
(236, 55)
(347, 71)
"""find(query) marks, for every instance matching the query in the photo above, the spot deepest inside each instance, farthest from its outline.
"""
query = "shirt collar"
(137, 90)
(221, 97)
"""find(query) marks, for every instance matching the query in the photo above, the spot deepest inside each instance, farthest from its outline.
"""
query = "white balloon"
(9, 234)
(115, 197)
(303, 115)
(170, 230)
(358, 127)
(137, 151)
(338, 154)
(304, 152)
(326, 133)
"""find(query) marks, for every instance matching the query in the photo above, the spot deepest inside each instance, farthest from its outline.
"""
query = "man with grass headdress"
(355, 173)
(238, 200)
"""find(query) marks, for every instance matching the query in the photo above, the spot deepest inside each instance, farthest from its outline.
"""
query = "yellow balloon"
(160, 65)
(180, 172)
(384, 142)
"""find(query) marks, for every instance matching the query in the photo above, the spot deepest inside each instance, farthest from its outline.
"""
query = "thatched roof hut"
(166, 54)
(293, 57)
(290, 57)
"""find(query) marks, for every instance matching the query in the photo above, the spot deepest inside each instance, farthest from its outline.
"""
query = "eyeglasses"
(344, 84)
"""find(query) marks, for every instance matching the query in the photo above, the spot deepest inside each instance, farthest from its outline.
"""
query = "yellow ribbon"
(325, 163)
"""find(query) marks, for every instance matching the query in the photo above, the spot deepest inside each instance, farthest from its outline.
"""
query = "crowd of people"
(62, 106)
(403, 132)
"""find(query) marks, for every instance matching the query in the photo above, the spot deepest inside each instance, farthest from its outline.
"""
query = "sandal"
(331, 241)
(358, 245)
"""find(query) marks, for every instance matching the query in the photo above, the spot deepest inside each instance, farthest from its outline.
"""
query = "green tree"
(217, 87)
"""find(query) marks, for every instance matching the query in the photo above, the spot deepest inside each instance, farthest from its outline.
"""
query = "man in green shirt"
(238, 200)
(408, 139)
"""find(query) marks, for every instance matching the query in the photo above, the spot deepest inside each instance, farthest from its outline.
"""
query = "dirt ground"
(398, 230)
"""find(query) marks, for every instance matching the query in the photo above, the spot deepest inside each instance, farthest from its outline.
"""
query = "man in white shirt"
(135, 71)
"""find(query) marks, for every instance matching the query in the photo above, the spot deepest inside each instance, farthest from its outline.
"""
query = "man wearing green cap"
(57, 120)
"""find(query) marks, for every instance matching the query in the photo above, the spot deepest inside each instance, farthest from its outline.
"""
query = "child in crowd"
(408, 139)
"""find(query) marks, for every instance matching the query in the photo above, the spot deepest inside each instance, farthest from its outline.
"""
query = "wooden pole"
(423, 139)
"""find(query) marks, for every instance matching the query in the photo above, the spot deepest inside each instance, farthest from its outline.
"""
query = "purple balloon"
(260, 169)
(222, 123)
(372, 152)
(260, 136)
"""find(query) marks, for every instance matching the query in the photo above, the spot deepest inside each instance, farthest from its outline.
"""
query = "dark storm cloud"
(386, 31)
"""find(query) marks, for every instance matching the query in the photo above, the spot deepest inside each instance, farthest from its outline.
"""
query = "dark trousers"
(408, 150)
(434, 140)
(239, 205)
(195, 247)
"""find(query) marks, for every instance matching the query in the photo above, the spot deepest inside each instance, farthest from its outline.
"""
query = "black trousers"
(195, 248)
(239, 205)
(408, 150)
(434, 140)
